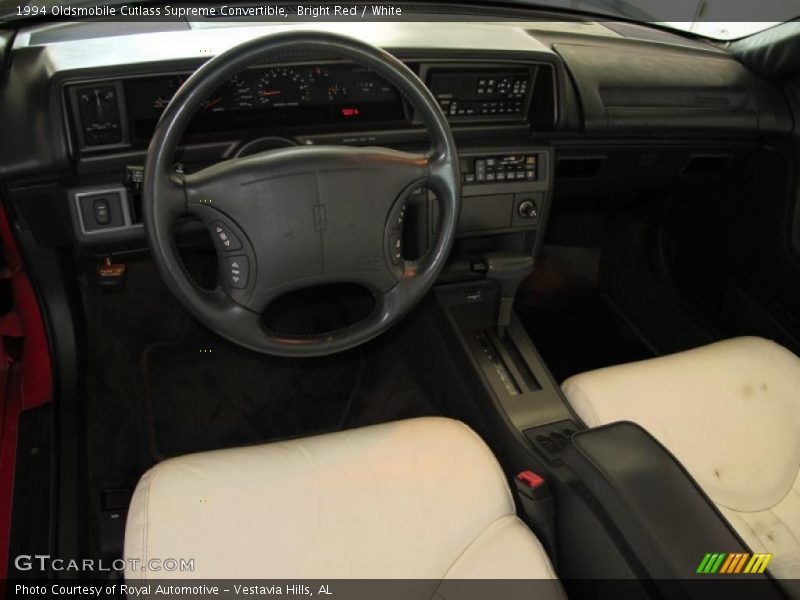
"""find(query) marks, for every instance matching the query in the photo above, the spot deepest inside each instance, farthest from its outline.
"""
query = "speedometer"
(282, 86)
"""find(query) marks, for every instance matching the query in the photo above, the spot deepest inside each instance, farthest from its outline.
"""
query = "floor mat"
(581, 336)
(209, 394)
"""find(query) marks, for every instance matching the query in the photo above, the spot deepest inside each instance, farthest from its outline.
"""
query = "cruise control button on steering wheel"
(237, 271)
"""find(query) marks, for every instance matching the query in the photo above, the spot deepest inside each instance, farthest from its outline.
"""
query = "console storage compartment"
(666, 520)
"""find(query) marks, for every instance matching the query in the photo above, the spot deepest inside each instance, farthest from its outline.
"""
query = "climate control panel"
(502, 191)
(499, 168)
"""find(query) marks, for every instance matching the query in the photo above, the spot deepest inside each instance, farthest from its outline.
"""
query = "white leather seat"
(423, 499)
(730, 412)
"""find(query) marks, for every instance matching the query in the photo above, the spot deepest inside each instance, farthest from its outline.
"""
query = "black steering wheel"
(298, 217)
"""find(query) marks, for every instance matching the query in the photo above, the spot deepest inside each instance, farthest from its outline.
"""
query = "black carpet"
(210, 394)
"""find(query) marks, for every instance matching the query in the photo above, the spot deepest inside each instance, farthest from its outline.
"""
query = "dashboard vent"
(578, 168)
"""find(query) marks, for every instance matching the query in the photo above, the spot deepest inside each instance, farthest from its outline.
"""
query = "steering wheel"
(297, 217)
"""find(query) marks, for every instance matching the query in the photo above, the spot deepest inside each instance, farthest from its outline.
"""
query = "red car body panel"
(25, 383)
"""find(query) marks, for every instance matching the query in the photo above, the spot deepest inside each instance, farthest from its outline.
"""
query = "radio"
(487, 93)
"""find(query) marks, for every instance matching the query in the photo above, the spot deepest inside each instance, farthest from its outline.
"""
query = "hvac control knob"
(527, 209)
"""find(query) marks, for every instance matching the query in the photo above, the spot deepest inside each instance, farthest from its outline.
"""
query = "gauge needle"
(273, 93)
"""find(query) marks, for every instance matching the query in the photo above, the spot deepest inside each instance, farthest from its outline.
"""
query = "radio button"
(224, 238)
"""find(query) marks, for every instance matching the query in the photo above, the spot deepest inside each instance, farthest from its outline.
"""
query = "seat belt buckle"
(532, 485)
(538, 507)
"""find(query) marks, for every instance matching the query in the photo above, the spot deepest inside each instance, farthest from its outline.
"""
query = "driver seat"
(422, 498)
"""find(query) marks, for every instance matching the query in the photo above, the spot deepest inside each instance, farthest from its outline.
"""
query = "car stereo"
(482, 93)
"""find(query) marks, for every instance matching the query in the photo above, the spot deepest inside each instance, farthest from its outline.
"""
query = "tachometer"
(282, 86)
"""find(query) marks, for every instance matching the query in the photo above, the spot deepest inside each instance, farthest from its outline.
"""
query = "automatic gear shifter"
(508, 269)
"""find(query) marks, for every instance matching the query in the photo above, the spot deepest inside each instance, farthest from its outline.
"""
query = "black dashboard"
(538, 112)
(266, 106)
(302, 97)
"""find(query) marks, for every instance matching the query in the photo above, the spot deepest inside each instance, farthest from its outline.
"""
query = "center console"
(628, 513)
(511, 369)
(612, 506)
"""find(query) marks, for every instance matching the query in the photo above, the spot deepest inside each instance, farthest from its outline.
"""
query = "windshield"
(731, 30)
(716, 19)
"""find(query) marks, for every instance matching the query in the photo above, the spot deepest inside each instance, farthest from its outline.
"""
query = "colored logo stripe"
(727, 564)
(737, 562)
(758, 564)
(711, 562)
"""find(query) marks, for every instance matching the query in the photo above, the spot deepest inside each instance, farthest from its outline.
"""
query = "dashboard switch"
(237, 271)
(224, 237)
(102, 211)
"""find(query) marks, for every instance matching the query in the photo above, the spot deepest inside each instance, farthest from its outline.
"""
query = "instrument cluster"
(273, 87)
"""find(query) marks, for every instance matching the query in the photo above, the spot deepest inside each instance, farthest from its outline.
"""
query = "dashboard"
(506, 186)
(570, 109)
(295, 97)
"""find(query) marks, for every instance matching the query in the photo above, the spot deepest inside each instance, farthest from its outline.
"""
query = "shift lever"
(508, 269)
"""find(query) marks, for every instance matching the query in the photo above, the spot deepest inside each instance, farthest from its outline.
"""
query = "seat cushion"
(423, 498)
(730, 412)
